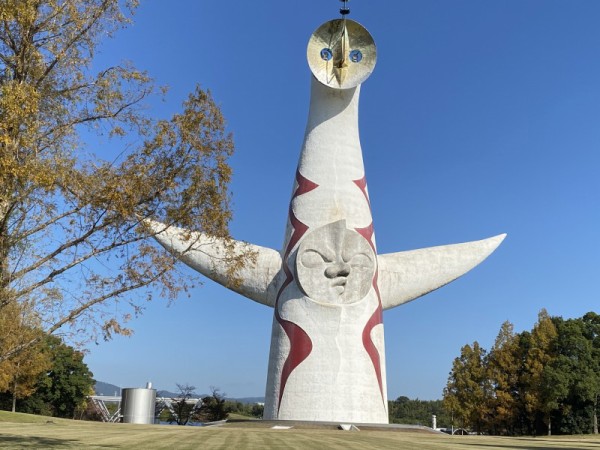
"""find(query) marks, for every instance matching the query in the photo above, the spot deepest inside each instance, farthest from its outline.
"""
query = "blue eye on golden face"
(341, 54)
(356, 56)
(326, 54)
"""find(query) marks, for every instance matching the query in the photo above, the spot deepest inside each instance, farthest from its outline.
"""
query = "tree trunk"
(549, 426)
(14, 397)
(595, 419)
(4, 209)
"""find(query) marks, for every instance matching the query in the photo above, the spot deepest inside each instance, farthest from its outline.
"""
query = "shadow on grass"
(29, 442)
(571, 445)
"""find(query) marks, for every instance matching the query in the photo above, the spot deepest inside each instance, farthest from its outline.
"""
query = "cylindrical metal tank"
(137, 405)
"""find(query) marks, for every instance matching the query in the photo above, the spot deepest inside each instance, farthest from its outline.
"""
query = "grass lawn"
(23, 431)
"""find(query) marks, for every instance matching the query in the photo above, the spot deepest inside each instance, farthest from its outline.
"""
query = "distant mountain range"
(102, 388)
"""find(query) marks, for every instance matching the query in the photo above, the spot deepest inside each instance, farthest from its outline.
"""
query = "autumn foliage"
(543, 381)
(73, 254)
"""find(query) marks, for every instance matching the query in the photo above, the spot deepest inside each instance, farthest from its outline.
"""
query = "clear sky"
(481, 117)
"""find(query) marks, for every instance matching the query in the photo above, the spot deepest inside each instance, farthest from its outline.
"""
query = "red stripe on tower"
(300, 342)
(377, 317)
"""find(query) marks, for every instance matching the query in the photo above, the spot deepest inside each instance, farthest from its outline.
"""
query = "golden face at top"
(341, 54)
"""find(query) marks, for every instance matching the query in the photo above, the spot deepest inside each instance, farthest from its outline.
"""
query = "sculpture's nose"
(340, 57)
(341, 269)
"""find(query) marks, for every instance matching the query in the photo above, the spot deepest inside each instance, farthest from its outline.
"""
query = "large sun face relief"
(335, 265)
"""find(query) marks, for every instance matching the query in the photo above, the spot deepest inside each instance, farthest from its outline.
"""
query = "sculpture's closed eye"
(312, 259)
(360, 261)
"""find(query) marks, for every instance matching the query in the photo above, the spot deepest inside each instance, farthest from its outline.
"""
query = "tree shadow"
(570, 445)
(29, 442)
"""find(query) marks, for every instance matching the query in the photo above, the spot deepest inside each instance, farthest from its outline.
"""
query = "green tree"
(70, 234)
(468, 391)
(523, 423)
(546, 379)
(63, 388)
(414, 411)
(184, 411)
(257, 410)
(591, 323)
(213, 407)
(574, 375)
(244, 409)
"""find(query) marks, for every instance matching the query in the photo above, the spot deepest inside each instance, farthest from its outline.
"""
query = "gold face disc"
(341, 54)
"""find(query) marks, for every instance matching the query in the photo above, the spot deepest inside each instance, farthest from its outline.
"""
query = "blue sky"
(480, 118)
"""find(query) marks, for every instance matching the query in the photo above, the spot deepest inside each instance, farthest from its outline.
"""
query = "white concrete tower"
(327, 285)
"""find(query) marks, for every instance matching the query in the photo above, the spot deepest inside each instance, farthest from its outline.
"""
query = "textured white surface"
(327, 357)
(338, 380)
(335, 265)
(331, 157)
(205, 254)
(405, 276)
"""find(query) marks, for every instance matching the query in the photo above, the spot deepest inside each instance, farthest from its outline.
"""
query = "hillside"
(103, 388)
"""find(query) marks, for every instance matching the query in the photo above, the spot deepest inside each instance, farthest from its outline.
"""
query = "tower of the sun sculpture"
(328, 286)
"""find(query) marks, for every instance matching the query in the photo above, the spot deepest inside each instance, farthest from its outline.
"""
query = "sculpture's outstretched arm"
(208, 255)
(405, 276)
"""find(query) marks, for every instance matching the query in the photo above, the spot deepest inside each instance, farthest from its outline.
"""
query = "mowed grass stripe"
(17, 433)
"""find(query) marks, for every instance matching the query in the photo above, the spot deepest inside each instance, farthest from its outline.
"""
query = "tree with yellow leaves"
(72, 239)
(20, 373)
(504, 366)
(541, 396)
(468, 391)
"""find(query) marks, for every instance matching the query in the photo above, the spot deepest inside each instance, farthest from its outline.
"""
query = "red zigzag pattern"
(300, 343)
(377, 317)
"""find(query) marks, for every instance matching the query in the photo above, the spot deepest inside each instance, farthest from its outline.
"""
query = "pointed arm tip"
(405, 276)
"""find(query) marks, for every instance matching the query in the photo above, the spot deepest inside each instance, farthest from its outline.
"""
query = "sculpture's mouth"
(339, 285)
